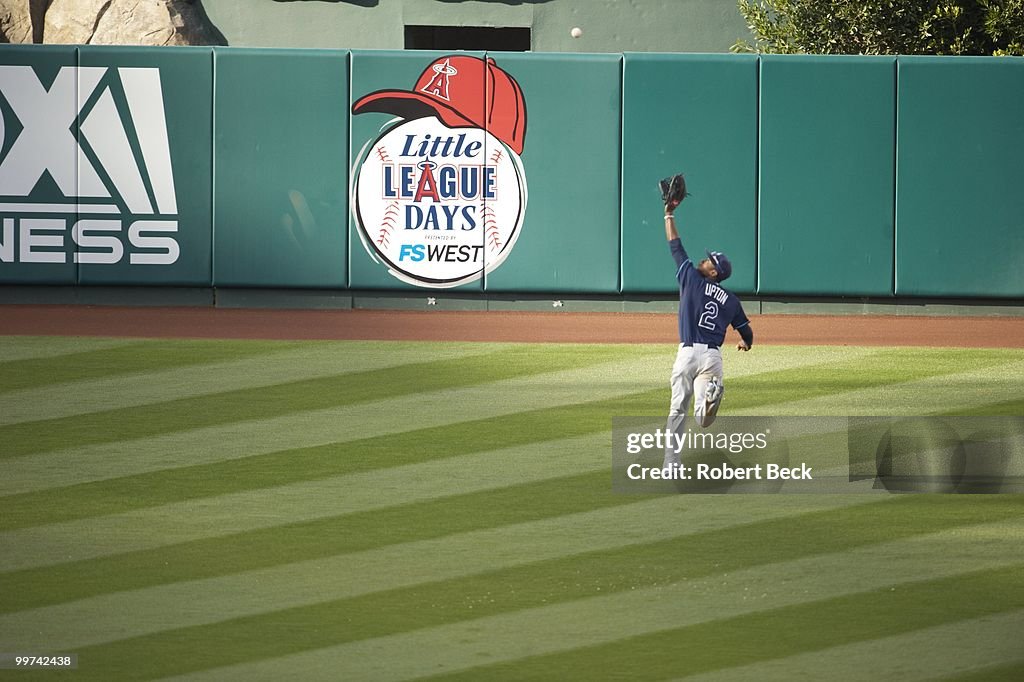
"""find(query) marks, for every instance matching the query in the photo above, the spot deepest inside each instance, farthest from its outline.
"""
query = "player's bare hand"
(742, 345)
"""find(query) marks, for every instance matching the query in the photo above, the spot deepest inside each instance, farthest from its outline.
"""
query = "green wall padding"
(960, 208)
(179, 198)
(695, 114)
(827, 150)
(281, 199)
(571, 158)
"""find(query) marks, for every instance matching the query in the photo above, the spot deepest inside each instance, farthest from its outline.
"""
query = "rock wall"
(16, 19)
(107, 22)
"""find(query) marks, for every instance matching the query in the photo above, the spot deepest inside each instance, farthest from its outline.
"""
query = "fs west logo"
(439, 196)
(98, 178)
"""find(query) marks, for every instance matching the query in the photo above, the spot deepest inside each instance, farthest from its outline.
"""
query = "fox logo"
(118, 165)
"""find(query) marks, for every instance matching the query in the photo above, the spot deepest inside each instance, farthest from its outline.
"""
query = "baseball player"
(705, 310)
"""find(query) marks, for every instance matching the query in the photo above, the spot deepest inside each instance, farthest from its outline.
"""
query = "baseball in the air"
(576, 32)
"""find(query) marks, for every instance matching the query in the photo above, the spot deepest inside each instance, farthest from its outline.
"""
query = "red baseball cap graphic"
(464, 92)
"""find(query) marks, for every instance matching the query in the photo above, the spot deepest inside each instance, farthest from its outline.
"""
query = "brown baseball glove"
(673, 190)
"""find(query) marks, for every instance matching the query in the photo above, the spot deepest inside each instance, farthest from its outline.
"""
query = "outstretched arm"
(670, 222)
(674, 244)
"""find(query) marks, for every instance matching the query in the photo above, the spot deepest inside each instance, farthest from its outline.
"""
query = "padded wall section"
(412, 225)
(147, 130)
(39, 164)
(827, 156)
(695, 114)
(281, 199)
(515, 172)
(569, 239)
(960, 208)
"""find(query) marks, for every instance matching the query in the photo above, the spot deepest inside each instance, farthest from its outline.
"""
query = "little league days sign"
(439, 196)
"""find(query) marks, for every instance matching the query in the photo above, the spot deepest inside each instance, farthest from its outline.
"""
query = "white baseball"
(576, 32)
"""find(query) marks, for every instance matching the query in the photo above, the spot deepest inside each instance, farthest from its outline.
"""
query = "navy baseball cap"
(721, 263)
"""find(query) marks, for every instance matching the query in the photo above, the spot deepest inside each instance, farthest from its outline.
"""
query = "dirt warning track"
(556, 327)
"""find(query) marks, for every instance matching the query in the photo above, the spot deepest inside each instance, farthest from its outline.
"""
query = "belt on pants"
(691, 345)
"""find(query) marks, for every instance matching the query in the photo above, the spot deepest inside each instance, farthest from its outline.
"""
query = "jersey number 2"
(708, 317)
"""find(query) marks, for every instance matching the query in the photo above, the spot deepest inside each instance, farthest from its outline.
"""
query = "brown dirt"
(73, 320)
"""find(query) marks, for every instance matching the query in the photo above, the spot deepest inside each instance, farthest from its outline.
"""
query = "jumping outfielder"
(705, 310)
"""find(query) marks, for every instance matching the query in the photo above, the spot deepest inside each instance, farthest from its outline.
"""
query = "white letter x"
(46, 142)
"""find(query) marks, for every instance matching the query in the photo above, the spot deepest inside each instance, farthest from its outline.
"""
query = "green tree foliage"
(947, 27)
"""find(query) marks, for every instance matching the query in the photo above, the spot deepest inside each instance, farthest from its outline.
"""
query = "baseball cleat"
(712, 399)
(713, 391)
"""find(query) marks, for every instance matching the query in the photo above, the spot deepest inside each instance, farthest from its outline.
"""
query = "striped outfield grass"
(223, 510)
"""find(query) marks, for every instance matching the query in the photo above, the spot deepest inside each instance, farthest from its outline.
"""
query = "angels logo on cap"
(438, 85)
(439, 196)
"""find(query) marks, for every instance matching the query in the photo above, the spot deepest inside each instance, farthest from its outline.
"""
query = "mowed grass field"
(253, 510)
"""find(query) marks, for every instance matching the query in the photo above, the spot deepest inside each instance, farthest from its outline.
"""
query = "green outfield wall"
(826, 176)
(505, 174)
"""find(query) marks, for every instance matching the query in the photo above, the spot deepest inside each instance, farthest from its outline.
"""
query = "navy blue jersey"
(705, 308)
